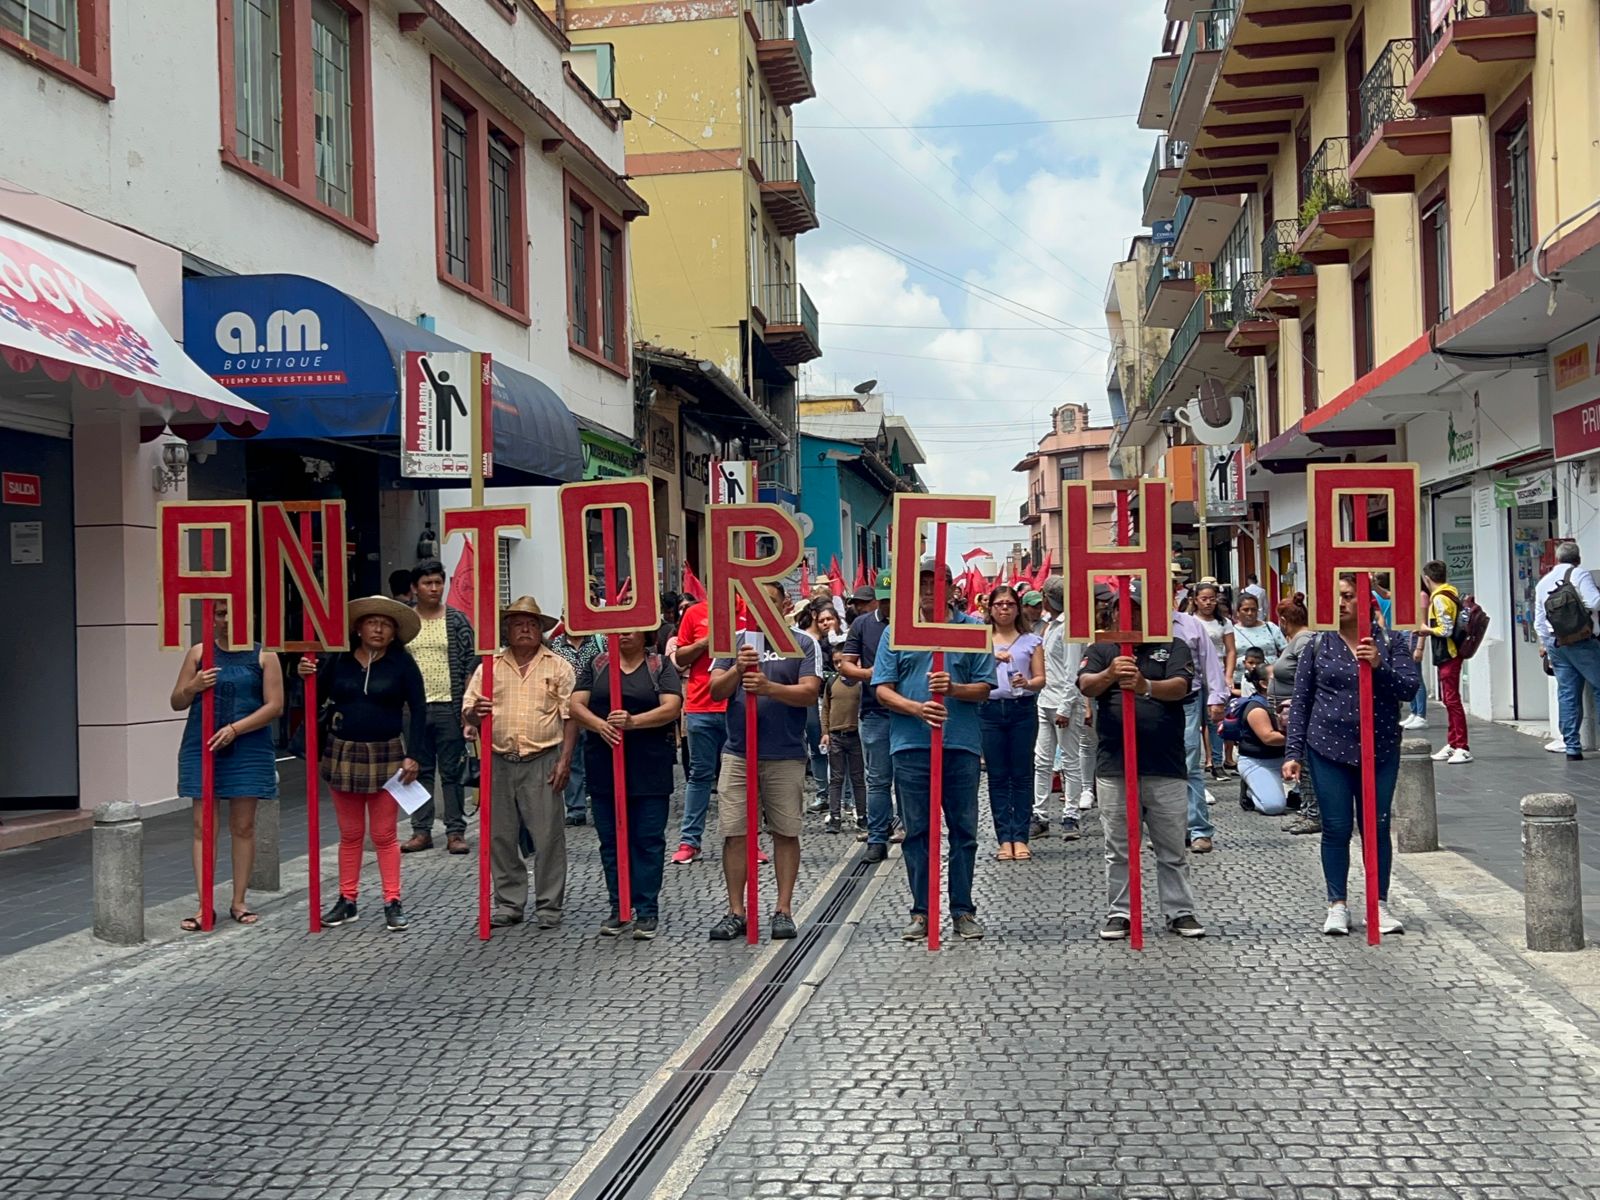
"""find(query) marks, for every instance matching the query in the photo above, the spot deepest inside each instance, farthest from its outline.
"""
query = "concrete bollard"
(118, 847)
(264, 873)
(1415, 817)
(1552, 885)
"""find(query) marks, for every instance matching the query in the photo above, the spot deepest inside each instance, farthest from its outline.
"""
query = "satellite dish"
(807, 525)
(865, 389)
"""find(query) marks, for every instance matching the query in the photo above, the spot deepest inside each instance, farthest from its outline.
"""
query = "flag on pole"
(976, 552)
(692, 587)
(836, 576)
(462, 589)
(1043, 572)
(861, 575)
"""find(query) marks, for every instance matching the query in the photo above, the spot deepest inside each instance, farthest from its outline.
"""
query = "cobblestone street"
(1263, 1061)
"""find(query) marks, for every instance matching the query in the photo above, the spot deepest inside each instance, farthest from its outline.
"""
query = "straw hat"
(406, 622)
(528, 606)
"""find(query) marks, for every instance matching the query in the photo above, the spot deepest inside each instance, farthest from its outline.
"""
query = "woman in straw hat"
(365, 693)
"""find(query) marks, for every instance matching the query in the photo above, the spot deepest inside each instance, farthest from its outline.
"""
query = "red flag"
(462, 589)
(1043, 572)
(692, 587)
(836, 574)
(978, 552)
(861, 575)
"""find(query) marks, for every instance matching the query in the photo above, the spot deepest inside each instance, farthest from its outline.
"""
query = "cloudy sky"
(1008, 186)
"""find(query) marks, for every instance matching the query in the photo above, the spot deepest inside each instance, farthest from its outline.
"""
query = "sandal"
(243, 916)
(1020, 851)
(190, 925)
(1006, 852)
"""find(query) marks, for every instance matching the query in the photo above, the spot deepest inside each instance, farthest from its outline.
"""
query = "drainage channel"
(648, 1147)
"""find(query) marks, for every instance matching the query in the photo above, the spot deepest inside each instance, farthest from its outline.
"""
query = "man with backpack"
(1444, 612)
(1563, 616)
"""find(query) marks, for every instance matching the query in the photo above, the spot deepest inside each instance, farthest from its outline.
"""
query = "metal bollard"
(118, 847)
(264, 873)
(1552, 885)
(1415, 817)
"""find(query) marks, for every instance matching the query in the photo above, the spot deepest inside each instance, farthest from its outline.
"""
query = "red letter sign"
(634, 498)
(482, 527)
(229, 578)
(1329, 553)
(287, 546)
(733, 574)
(907, 629)
(1149, 559)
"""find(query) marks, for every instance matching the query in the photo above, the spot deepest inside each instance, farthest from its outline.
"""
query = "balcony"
(1155, 109)
(1397, 139)
(1255, 331)
(1169, 294)
(1197, 65)
(1336, 213)
(1274, 61)
(1201, 226)
(788, 190)
(1161, 180)
(1032, 509)
(792, 334)
(1198, 352)
(1480, 48)
(782, 49)
(1288, 282)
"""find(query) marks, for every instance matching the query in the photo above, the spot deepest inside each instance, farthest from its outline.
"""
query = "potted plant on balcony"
(1286, 262)
(1203, 280)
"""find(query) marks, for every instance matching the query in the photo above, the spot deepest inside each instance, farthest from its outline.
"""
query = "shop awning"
(326, 365)
(70, 314)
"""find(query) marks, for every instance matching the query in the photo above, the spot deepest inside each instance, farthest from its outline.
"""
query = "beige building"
(1073, 449)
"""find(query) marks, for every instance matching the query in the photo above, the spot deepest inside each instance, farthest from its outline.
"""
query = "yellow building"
(711, 85)
(1383, 214)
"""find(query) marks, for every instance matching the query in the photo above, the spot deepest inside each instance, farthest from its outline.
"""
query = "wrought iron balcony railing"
(1326, 182)
(1277, 250)
(1213, 310)
(1209, 30)
(1242, 298)
(1169, 155)
(1382, 94)
(1466, 10)
(783, 161)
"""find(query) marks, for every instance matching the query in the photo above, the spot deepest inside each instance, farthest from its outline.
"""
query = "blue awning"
(326, 365)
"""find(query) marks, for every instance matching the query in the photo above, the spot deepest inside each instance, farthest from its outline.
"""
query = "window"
(481, 215)
(503, 550)
(1361, 312)
(1519, 189)
(1308, 359)
(597, 280)
(1514, 221)
(1274, 415)
(69, 38)
(297, 103)
(1071, 466)
(1435, 257)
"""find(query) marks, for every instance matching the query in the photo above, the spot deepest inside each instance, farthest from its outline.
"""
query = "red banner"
(907, 629)
(182, 583)
(634, 499)
(482, 528)
(1334, 547)
(1147, 559)
(736, 572)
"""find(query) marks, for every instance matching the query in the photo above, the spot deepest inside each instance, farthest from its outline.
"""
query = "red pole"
(619, 769)
(1369, 783)
(208, 759)
(1130, 746)
(313, 782)
(936, 753)
(485, 786)
(752, 801)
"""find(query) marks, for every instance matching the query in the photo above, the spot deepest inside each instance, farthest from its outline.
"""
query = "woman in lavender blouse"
(1010, 721)
(1325, 735)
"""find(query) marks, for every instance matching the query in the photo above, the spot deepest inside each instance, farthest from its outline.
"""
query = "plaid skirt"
(361, 766)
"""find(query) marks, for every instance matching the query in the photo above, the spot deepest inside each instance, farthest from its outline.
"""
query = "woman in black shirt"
(643, 721)
(365, 694)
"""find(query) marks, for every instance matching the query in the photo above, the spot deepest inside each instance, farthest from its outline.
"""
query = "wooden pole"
(208, 729)
(619, 767)
(479, 417)
(1130, 743)
(936, 753)
(313, 777)
(752, 800)
(1369, 782)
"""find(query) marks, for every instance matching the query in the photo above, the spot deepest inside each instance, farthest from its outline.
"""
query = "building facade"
(1073, 449)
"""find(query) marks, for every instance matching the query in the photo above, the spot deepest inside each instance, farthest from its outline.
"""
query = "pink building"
(1073, 449)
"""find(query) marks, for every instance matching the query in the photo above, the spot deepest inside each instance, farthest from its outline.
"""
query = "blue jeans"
(1338, 788)
(880, 775)
(1194, 724)
(1009, 730)
(576, 796)
(819, 757)
(647, 848)
(1575, 665)
(708, 732)
(1419, 702)
(911, 775)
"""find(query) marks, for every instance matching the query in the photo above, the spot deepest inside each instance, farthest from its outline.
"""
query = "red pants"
(1450, 697)
(356, 811)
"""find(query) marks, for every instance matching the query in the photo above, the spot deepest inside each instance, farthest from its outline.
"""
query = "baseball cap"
(864, 593)
(881, 585)
(931, 564)
(1105, 592)
(1033, 598)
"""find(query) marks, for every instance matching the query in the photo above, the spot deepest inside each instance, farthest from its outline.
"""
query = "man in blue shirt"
(906, 685)
(856, 661)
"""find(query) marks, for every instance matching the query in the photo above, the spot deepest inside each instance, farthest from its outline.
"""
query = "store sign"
(287, 349)
(1536, 489)
(25, 490)
(733, 482)
(1162, 233)
(663, 443)
(437, 398)
(1575, 392)
(604, 459)
(1225, 482)
(1461, 440)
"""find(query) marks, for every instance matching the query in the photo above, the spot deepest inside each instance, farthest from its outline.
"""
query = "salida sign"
(21, 489)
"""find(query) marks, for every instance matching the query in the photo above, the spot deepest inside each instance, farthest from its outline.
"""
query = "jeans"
(1263, 779)
(1074, 741)
(1575, 665)
(1010, 728)
(1194, 726)
(880, 775)
(1161, 800)
(1339, 798)
(846, 764)
(443, 747)
(647, 848)
(911, 778)
(577, 793)
(1450, 697)
(708, 733)
(1419, 702)
(819, 757)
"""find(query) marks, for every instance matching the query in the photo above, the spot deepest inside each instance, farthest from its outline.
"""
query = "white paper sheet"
(409, 796)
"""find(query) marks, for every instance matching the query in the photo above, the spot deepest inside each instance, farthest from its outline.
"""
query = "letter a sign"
(439, 396)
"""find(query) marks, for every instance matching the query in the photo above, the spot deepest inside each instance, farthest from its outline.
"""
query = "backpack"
(1234, 719)
(1567, 613)
(653, 662)
(1472, 624)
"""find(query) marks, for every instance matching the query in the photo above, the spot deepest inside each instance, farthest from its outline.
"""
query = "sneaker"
(1577, 756)
(1387, 921)
(613, 926)
(1442, 754)
(1187, 926)
(1558, 746)
(1038, 827)
(344, 909)
(877, 852)
(820, 804)
(916, 931)
(394, 920)
(762, 857)
(577, 819)
(1338, 922)
(1458, 756)
(1115, 929)
(730, 927)
(644, 928)
(831, 825)
(781, 927)
(1200, 845)
(1211, 797)
(1069, 829)
(686, 854)
(1412, 721)
(1086, 801)
(1301, 825)
(969, 927)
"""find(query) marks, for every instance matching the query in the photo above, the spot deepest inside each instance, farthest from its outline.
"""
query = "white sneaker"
(1086, 801)
(1388, 922)
(1559, 746)
(1210, 797)
(1338, 922)
(1442, 753)
(1414, 722)
(1458, 756)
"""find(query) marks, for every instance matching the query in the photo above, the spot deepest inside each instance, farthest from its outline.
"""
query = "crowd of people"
(1232, 694)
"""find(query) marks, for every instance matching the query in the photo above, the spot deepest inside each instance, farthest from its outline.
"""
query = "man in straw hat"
(533, 742)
